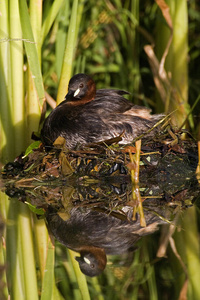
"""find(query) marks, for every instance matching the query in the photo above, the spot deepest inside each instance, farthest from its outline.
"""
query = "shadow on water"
(89, 203)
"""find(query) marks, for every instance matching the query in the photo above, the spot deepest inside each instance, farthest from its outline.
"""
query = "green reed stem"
(48, 280)
(33, 109)
(16, 70)
(192, 249)
(31, 50)
(14, 274)
(26, 249)
(6, 127)
(177, 59)
(69, 54)
(80, 277)
(3, 213)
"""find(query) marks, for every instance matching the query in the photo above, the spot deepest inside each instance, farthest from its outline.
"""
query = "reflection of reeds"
(198, 167)
(134, 168)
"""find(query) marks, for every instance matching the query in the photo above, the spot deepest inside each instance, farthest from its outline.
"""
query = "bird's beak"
(78, 258)
(76, 92)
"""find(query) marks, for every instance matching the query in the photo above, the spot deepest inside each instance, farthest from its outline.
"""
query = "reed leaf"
(62, 21)
(50, 18)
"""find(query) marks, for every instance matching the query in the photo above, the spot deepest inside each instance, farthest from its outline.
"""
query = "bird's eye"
(92, 266)
(81, 85)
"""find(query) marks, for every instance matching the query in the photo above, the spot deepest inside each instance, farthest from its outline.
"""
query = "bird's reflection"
(95, 233)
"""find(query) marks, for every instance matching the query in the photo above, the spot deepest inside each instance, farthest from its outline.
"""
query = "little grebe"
(96, 234)
(89, 116)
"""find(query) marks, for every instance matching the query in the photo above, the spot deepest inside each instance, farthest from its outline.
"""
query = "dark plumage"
(96, 234)
(89, 116)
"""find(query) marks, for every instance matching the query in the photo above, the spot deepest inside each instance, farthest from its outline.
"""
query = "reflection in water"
(104, 222)
(93, 212)
(94, 234)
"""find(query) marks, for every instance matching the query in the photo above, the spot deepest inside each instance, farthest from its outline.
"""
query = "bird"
(88, 116)
(95, 234)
